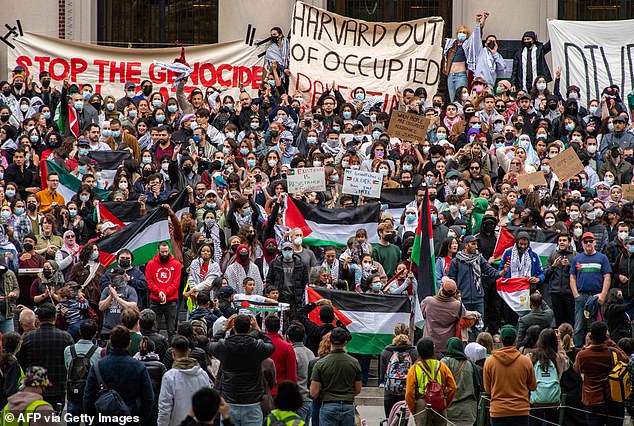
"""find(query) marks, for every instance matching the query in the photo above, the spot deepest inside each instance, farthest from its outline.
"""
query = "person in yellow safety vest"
(26, 407)
(417, 380)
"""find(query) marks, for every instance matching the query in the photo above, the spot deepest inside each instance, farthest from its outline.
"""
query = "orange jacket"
(411, 387)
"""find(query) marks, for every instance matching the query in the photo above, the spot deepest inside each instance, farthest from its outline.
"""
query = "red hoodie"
(163, 277)
(284, 359)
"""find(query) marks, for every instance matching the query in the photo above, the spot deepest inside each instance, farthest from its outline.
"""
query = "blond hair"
(324, 346)
(463, 29)
(565, 334)
(401, 339)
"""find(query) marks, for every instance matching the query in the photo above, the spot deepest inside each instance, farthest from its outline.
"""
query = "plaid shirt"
(45, 347)
(23, 226)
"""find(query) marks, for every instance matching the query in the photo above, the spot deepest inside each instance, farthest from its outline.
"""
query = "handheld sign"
(306, 179)
(407, 126)
(566, 164)
(357, 182)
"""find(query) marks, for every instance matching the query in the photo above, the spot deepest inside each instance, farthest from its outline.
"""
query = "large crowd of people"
(90, 341)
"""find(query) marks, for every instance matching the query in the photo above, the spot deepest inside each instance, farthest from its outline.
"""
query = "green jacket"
(9, 284)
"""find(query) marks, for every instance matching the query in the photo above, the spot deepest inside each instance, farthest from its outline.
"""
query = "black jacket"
(156, 369)
(241, 357)
(618, 321)
(384, 359)
(557, 278)
(315, 332)
(160, 342)
(625, 267)
(295, 294)
(517, 77)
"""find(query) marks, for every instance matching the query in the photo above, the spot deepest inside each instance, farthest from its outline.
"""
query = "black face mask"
(4, 118)
(273, 133)
(491, 45)
(147, 90)
(518, 125)
(18, 86)
(6, 92)
(265, 105)
(124, 263)
(96, 105)
(552, 107)
(164, 258)
(251, 237)
(48, 273)
(28, 246)
(389, 237)
(234, 247)
(436, 104)
(243, 256)
(527, 44)
(432, 197)
(270, 250)
(31, 207)
(188, 169)
(509, 136)
(46, 83)
(468, 115)
(575, 186)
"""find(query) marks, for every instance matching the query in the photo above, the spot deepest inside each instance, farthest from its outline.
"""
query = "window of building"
(157, 23)
(596, 10)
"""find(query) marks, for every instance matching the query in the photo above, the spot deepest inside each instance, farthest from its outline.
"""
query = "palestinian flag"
(423, 252)
(123, 211)
(108, 162)
(515, 292)
(73, 121)
(323, 226)
(68, 183)
(543, 243)
(394, 201)
(370, 318)
(142, 236)
(266, 307)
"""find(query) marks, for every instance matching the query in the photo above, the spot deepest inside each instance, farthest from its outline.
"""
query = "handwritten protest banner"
(306, 179)
(535, 179)
(628, 192)
(108, 68)
(566, 164)
(593, 55)
(407, 126)
(381, 57)
(356, 182)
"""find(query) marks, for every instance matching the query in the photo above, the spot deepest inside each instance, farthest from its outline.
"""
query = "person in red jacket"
(284, 355)
(163, 274)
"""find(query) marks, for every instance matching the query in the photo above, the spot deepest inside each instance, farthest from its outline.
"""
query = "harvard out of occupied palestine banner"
(593, 55)
(380, 57)
(108, 68)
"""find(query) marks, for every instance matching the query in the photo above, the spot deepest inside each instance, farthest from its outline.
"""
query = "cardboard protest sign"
(306, 179)
(357, 182)
(628, 192)
(593, 55)
(526, 180)
(566, 164)
(381, 57)
(108, 68)
(407, 126)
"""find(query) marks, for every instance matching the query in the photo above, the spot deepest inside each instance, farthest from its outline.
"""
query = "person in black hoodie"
(616, 314)
(400, 344)
(185, 329)
(155, 369)
(315, 332)
(487, 240)
(241, 355)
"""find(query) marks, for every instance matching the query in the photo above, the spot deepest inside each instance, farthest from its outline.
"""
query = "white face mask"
(577, 232)
(623, 235)
(460, 190)
(550, 221)
(574, 215)
(591, 149)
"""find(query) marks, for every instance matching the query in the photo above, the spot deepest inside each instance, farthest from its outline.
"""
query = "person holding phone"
(557, 279)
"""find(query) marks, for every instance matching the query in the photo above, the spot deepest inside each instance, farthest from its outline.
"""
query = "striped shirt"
(589, 271)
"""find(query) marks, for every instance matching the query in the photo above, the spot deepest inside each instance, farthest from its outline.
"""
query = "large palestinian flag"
(396, 199)
(423, 252)
(369, 318)
(323, 226)
(68, 183)
(142, 236)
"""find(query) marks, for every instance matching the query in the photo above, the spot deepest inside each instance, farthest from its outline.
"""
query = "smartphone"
(258, 178)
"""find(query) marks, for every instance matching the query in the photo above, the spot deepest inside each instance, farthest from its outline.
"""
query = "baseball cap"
(286, 245)
(286, 136)
(211, 192)
(226, 291)
(620, 118)
(83, 141)
(613, 209)
(587, 236)
(524, 96)
(108, 225)
(469, 238)
(129, 85)
(338, 336)
(497, 136)
(508, 332)
(587, 207)
(452, 174)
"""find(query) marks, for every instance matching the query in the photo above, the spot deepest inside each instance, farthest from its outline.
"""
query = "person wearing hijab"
(68, 255)
(269, 253)
(47, 283)
(243, 267)
(464, 408)
(8, 250)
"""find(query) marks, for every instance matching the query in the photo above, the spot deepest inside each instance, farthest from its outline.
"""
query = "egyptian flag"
(323, 226)
(423, 252)
(505, 240)
(370, 318)
(515, 292)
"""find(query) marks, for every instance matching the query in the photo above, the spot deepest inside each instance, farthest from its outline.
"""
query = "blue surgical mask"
(72, 212)
(19, 211)
(34, 138)
(630, 248)
(271, 83)
(81, 169)
(86, 95)
(510, 216)
(377, 286)
(196, 138)
(160, 118)
(84, 198)
(376, 135)
(407, 167)
(146, 160)
(116, 133)
(132, 113)
(229, 107)
(336, 128)
(312, 140)
(47, 115)
(434, 217)
(244, 151)
(95, 255)
(247, 211)
(5, 214)
(156, 103)
(79, 105)
(359, 96)
(611, 127)
(410, 217)
(570, 127)
(347, 115)
(110, 106)
(593, 109)
(82, 152)
(287, 254)
(210, 205)
(106, 133)
(10, 193)
(172, 108)
(441, 136)
(334, 178)
(251, 163)
(462, 37)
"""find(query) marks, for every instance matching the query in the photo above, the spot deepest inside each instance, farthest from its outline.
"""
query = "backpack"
(619, 386)
(109, 402)
(272, 420)
(396, 374)
(199, 326)
(548, 390)
(78, 370)
(434, 394)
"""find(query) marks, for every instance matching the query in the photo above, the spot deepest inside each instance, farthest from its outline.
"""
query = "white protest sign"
(306, 179)
(108, 68)
(593, 55)
(327, 48)
(357, 182)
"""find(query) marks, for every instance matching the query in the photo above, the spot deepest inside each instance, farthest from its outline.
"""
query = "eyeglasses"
(68, 237)
(588, 241)
(474, 168)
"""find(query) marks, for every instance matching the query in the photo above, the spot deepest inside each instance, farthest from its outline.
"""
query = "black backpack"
(78, 373)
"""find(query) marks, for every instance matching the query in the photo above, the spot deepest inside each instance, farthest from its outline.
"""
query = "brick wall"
(62, 19)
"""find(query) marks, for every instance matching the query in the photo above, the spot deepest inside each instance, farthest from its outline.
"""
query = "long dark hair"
(444, 247)
(10, 342)
(86, 253)
(532, 335)
(546, 348)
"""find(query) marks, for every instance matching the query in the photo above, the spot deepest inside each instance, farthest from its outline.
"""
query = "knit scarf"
(332, 270)
(520, 264)
(473, 260)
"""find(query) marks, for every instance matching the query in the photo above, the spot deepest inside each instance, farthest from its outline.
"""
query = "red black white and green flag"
(423, 252)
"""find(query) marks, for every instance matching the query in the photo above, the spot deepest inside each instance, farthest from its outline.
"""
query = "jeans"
(563, 307)
(550, 415)
(510, 421)
(314, 411)
(6, 325)
(358, 273)
(168, 311)
(76, 409)
(455, 80)
(580, 320)
(598, 416)
(336, 414)
(305, 411)
(246, 415)
(73, 330)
